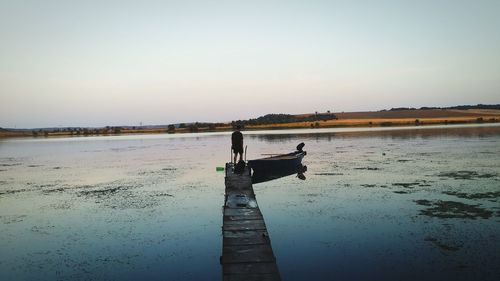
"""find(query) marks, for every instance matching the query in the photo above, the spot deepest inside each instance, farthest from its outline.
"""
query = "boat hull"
(289, 161)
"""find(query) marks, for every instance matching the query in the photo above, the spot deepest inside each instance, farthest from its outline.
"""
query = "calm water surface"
(377, 204)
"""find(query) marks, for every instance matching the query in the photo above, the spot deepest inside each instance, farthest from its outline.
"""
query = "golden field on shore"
(393, 118)
(375, 122)
(345, 119)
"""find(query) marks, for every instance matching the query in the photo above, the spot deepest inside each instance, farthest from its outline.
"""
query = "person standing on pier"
(237, 143)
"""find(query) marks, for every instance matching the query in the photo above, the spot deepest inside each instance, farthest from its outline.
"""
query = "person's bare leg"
(235, 156)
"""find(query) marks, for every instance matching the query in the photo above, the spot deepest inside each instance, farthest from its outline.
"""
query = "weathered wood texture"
(246, 248)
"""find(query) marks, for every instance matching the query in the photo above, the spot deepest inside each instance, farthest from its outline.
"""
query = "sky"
(99, 63)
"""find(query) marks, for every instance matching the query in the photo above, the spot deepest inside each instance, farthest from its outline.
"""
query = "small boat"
(290, 161)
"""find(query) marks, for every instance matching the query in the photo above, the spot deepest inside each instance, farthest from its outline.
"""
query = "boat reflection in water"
(278, 166)
(276, 173)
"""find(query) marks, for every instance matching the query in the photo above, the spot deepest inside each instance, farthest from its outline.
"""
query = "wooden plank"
(248, 240)
(245, 225)
(242, 222)
(241, 212)
(246, 247)
(250, 268)
(240, 201)
(248, 192)
(247, 253)
(244, 234)
(238, 218)
(251, 277)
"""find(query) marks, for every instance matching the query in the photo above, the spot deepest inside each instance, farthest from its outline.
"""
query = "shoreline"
(340, 123)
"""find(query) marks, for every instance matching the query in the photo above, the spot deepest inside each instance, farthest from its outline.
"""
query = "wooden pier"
(246, 247)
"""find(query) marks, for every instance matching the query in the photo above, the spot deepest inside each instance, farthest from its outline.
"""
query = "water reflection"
(395, 205)
(401, 133)
(269, 175)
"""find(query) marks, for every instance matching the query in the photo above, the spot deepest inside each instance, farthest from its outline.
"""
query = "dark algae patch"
(9, 192)
(54, 190)
(328, 174)
(423, 202)
(163, 171)
(443, 246)
(120, 195)
(485, 195)
(412, 184)
(367, 168)
(466, 175)
(169, 169)
(453, 210)
(101, 192)
(12, 219)
(406, 184)
(401, 192)
(164, 194)
(9, 164)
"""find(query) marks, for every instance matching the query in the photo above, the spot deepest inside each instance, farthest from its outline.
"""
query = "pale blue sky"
(97, 63)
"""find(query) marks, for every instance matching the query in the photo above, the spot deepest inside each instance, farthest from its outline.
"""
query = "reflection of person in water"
(237, 143)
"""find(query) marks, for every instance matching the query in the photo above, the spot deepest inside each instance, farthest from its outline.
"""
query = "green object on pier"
(219, 169)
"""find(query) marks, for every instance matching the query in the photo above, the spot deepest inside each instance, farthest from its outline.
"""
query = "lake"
(419, 203)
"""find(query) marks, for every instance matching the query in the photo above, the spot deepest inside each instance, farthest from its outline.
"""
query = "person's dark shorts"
(238, 149)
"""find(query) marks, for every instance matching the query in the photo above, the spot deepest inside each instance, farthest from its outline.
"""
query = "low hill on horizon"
(282, 118)
(416, 113)
(423, 112)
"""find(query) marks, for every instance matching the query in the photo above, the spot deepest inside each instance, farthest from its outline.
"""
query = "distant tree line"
(479, 106)
(460, 107)
(79, 131)
(285, 118)
(195, 127)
